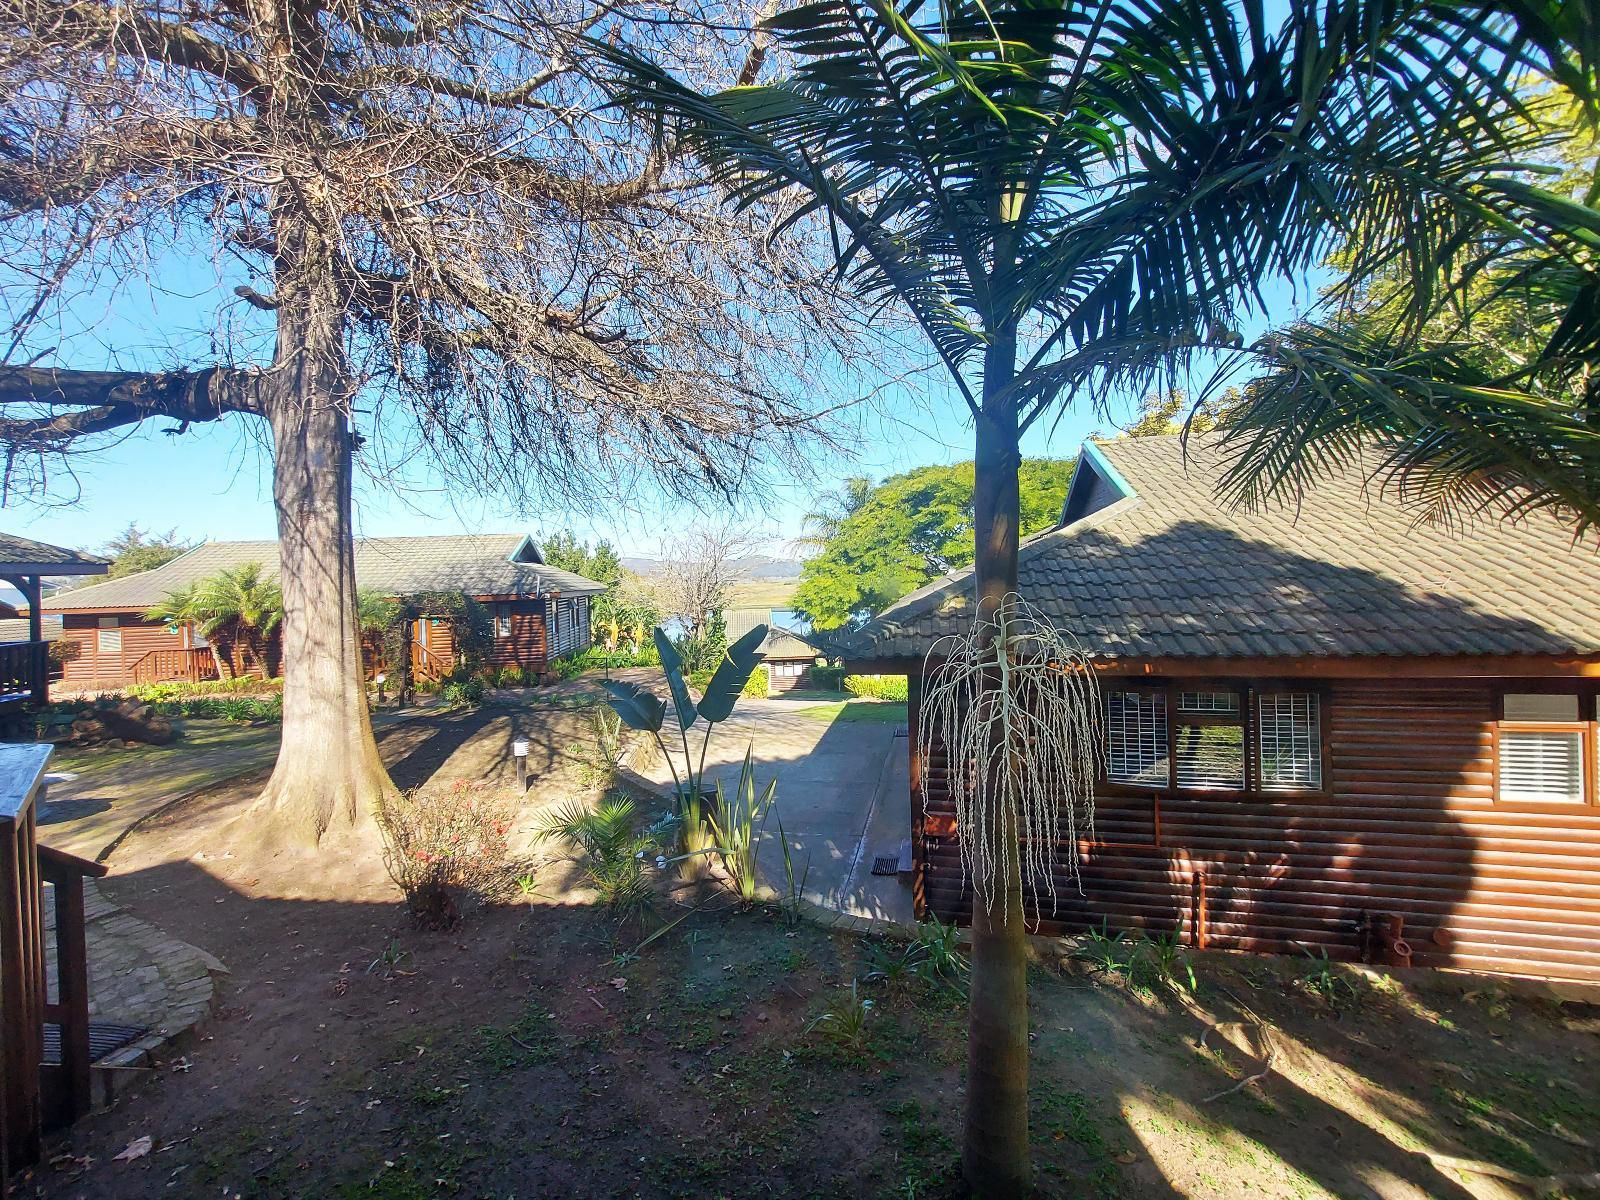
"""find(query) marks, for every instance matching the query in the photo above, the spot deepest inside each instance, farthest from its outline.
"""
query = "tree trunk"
(995, 1155)
(328, 776)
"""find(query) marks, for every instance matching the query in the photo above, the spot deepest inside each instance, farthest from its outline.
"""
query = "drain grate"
(105, 1039)
(886, 864)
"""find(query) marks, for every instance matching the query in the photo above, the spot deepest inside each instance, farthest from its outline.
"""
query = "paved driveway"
(843, 795)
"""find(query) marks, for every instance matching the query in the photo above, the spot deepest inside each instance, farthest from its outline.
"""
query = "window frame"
(502, 621)
(1248, 720)
(1587, 725)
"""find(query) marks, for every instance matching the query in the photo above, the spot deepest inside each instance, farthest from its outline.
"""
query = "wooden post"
(72, 964)
(21, 953)
(1198, 918)
(41, 660)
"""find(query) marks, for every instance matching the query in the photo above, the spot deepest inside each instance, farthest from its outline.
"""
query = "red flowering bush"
(440, 843)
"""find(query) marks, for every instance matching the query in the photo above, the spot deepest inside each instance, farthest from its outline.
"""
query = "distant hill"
(753, 566)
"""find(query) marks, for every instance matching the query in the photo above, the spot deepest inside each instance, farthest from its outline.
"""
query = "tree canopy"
(908, 530)
(137, 549)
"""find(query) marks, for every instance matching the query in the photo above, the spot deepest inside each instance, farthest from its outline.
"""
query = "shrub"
(613, 853)
(509, 677)
(759, 683)
(828, 679)
(152, 693)
(440, 843)
(598, 658)
(464, 693)
(878, 687)
(699, 679)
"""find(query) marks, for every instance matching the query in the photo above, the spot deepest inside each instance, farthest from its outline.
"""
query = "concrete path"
(843, 796)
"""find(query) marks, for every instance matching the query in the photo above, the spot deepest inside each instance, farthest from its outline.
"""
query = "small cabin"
(538, 612)
(1328, 728)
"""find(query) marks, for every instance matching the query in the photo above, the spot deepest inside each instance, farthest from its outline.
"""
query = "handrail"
(22, 667)
(190, 664)
(25, 867)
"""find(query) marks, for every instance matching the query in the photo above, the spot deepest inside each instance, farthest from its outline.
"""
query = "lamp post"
(519, 755)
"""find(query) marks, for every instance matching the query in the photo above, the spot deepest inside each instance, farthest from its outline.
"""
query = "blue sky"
(215, 481)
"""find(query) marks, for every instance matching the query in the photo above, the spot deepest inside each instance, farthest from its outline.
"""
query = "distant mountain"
(753, 566)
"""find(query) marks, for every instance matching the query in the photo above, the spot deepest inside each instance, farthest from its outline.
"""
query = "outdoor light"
(519, 754)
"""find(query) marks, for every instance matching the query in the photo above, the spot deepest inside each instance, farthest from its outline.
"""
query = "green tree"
(601, 563)
(908, 530)
(136, 549)
(1071, 198)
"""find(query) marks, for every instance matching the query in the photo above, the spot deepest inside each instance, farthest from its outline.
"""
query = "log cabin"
(539, 612)
(1329, 728)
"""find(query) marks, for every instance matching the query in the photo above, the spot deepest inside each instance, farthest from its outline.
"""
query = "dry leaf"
(137, 1148)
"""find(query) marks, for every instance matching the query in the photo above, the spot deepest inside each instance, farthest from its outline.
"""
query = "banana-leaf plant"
(642, 710)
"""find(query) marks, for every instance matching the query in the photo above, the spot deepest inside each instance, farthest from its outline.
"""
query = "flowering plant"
(440, 842)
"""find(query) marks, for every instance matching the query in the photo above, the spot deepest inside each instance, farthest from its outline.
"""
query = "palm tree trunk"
(995, 1156)
(328, 774)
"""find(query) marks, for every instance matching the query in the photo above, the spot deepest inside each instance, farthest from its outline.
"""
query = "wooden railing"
(32, 1095)
(22, 669)
(188, 666)
(429, 664)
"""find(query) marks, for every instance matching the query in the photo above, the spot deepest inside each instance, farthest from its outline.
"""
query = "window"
(502, 620)
(1228, 739)
(108, 638)
(1210, 741)
(1289, 741)
(1541, 748)
(1136, 737)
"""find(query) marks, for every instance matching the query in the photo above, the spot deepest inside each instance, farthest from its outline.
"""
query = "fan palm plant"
(1073, 197)
(245, 605)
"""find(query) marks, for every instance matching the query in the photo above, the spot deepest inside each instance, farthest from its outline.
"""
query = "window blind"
(1136, 738)
(1541, 766)
(1290, 740)
(1211, 756)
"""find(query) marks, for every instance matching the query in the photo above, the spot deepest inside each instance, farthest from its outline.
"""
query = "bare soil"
(538, 1050)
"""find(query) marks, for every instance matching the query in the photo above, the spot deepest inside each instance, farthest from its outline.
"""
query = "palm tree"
(1069, 197)
(834, 507)
(179, 607)
(239, 606)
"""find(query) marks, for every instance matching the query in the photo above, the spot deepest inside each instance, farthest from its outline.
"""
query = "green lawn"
(877, 711)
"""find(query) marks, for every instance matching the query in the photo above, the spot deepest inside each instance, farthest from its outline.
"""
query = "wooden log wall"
(1408, 826)
(528, 645)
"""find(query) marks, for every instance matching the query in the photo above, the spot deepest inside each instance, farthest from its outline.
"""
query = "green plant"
(1167, 962)
(793, 889)
(599, 757)
(438, 842)
(878, 687)
(525, 886)
(389, 961)
(828, 678)
(1102, 950)
(844, 1021)
(1323, 978)
(759, 683)
(641, 710)
(737, 824)
(463, 693)
(935, 952)
(509, 677)
(612, 850)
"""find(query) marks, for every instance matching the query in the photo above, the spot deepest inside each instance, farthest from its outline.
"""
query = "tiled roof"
(26, 551)
(780, 641)
(16, 629)
(480, 565)
(1168, 572)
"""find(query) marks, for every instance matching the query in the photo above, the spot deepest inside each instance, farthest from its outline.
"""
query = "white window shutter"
(1136, 738)
(1541, 766)
(1290, 740)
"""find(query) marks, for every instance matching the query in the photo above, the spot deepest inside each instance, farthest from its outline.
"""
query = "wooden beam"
(1421, 666)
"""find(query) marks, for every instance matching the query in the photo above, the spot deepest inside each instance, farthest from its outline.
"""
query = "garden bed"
(540, 1050)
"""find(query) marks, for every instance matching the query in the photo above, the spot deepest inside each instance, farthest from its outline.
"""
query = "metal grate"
(105, 1039)
(886, 864)
(1290, 741)
(1136, 737)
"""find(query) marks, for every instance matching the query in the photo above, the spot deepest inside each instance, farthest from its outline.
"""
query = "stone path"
(138, 975)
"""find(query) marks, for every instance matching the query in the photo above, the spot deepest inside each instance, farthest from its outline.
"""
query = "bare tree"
(698, 571)
(429, 238)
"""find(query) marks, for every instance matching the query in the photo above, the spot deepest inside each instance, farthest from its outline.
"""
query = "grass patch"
(873, 711)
